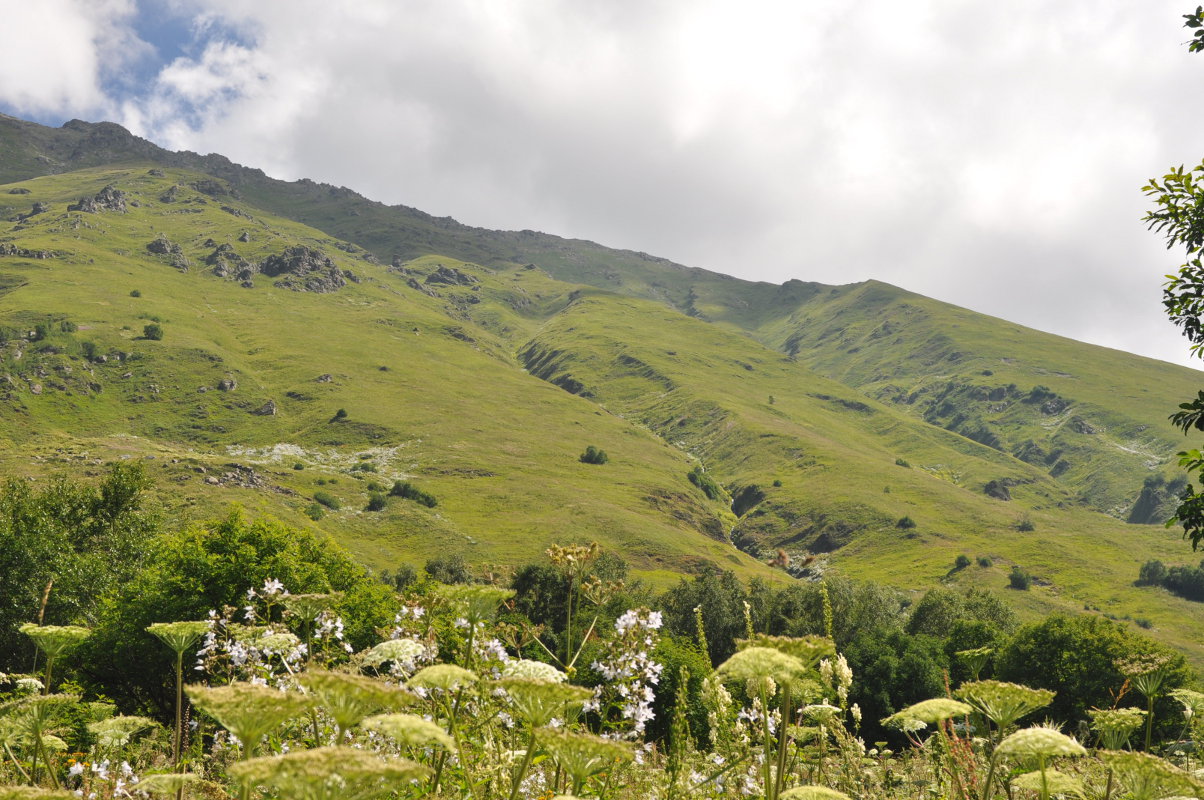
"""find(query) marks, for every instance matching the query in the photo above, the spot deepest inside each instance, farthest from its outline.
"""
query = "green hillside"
(318, 345)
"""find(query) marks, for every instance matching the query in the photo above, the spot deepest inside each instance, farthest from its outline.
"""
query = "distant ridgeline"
(340, 363)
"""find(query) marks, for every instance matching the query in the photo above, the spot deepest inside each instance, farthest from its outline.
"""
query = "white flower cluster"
(404, 656)
(330, 628)
(838, 676)
(629, 670)
(533, 671)
(97, 780)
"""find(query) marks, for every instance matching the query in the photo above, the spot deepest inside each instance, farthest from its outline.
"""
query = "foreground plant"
(329, 773)
(54, 641)
(1042, 744)
(248, 711)
(179, 636)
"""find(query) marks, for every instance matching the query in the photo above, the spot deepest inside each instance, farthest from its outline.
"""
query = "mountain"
(316, 344)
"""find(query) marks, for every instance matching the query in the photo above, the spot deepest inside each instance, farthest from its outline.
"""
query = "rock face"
(303, 269)
(450, 276)
(268, 409)
(21, 252)
(166, 247)
(19, 190)
(227, 384)
(109, 198)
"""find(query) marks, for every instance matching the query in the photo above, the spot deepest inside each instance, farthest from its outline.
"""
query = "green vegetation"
(593, 455)
(409, 679)
(706, 483)
(499, 372)
(328, 500)
(152, 331)
(408, 491)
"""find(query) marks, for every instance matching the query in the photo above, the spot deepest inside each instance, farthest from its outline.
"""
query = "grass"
(669, 369)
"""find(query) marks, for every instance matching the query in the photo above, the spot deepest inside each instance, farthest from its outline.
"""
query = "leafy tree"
(209, 566)
(1178, 214)
(63, 544)
(153, 331)
(1076, 657)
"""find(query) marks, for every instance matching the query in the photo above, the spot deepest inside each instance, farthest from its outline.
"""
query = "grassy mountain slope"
(479, 364)
(428, 394)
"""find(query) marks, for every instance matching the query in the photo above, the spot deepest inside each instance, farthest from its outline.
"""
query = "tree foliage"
(1178, 215)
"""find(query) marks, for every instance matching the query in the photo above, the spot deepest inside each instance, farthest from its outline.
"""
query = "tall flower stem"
(517, 779)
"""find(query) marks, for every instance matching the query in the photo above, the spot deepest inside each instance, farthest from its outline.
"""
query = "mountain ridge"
(830, 423)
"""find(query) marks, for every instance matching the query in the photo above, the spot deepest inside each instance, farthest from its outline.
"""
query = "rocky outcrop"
(450, 276)
(303, 269)
(268, 409)
(21, 252)
(109, 198)
(166, 247)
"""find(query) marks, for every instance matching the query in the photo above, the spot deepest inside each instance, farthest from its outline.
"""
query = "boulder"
(303, 269)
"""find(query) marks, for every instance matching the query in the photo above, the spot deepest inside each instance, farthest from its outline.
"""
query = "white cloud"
(56, 54)
(989, 155)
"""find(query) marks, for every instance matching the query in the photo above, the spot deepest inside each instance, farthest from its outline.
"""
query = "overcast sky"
(986, 154)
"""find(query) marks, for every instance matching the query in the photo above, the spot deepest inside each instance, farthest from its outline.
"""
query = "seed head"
(1040, 741)
(409, 730)
(929, 712)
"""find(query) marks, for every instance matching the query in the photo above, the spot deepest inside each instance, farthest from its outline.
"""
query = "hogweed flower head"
(308, 606)
(583, 755)
(403, 654)
(929, 712)
(179, 636)
(1004, 703)
(329, 773)
(809, 650)
(533, 671)
(477, 603)
(167, 784)
(539, 702)
(116, 732)
(1049, 782)
(1192, 701)
(765, 668)
(812, 793)
(409, 730)
(54, 640)
(1148, 777)
(1041, 742)
(349, 698)
(1114, 726)
(247, 710)
(1146, 672)
(442, 676)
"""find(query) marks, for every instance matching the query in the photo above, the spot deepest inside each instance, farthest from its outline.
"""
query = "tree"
(1178, 214)
(152, 331)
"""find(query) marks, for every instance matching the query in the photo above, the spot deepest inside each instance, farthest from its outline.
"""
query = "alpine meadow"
(307, 497)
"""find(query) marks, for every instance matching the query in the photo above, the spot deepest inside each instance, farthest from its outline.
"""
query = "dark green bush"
(152, 331)
(962, 561)
(594, 455)
(135, 293)
(376, 502)
(1025, 524)
(1019, 579)
(314, 511)
(902, 462)
(408, 491)
(706, 483)
(327, 499)
(985, 561)
(1152, 573)
(905, 523)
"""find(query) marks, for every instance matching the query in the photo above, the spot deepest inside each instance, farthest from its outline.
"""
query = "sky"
(986, 154)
